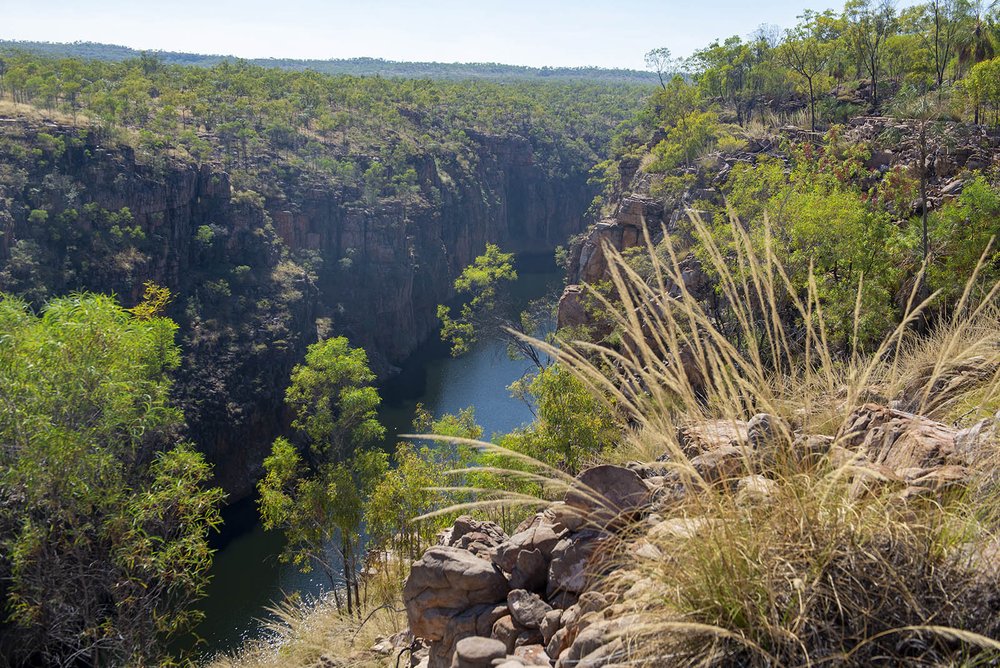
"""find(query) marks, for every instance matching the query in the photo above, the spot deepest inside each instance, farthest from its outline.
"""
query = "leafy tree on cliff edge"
(486, 313)
(316, 493)
(105, 515)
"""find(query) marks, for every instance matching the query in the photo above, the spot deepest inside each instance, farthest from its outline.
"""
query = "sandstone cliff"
(257, 277)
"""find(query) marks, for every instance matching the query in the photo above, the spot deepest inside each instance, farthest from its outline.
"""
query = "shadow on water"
(247, 577)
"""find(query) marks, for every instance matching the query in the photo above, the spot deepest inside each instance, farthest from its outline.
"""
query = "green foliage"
(104, 535)
(824, 230)
(407, 491)
(317, 495)
(960, 232)
(572, 426)
(483, 279)
(333, 399)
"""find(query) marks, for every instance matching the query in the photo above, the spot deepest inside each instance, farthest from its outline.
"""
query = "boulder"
(572, 562)
(531, 571)
(532, 655)
(444, 582)
(721, 465)
(478, 652)
(699, 437)
(541, 534)
(550, 624)
(480, 538)
(897, 440)
(527, 609)
(603, 493)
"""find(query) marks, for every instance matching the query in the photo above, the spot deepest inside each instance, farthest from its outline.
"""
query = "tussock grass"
(303, 634)
(832, 566)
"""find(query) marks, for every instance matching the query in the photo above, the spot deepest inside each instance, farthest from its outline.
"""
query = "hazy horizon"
(535, 34)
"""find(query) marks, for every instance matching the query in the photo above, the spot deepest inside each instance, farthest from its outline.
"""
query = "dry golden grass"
(815, 573)
(10, 109)
(302, 633)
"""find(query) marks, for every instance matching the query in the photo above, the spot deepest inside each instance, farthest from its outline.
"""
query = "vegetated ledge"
(84, 211)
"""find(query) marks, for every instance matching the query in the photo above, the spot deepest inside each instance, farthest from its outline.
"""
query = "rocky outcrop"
(257, 276)
(537, 598)
(450, 597)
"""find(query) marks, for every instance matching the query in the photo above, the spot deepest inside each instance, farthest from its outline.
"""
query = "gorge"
(314, 258)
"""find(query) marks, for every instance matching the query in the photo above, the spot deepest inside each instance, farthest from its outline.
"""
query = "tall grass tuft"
(833, 565)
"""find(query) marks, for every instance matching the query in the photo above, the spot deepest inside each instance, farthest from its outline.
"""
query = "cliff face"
(256, 279)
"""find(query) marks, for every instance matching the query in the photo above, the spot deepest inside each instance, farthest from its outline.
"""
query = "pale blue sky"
(608, 33)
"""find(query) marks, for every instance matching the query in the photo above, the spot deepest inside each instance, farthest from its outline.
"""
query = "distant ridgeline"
(351, 66)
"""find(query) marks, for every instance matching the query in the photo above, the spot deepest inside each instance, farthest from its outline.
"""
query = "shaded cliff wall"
(257, 279)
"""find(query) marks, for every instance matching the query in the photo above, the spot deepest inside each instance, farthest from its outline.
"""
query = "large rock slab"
(700, 437)
(602, 493)
(443, 583)
(897, 440)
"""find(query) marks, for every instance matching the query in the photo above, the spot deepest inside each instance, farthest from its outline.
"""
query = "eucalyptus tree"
(106, 512)
(870, 23)
(316, 491)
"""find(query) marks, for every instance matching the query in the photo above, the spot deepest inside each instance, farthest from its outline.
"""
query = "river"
(246, 575)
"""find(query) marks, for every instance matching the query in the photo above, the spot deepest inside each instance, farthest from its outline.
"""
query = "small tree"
(105, 518)
(871, 23)
(806, 53)
(316, 493)
(487, 312)
(659, 61)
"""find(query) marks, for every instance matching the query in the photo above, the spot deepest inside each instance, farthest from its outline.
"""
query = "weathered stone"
(567, 517)
(934, 386)
(682, 528)
(526, 608)
(898, 440)
(699, 437)
(531, 571)
(540, 534)
(480, 538)
(604, 492)
(528, 637)
(506, 631)
(444, 582)
(532, 655)
(551, 623)
(764, 429)
(570, 560)
(755, 489)
(478, 652)
(722, 464)
(558, 643)
(599, 643)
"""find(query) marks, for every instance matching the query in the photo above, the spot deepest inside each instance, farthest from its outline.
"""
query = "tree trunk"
(812, 106)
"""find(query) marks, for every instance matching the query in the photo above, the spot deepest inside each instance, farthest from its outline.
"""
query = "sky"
(609, 33)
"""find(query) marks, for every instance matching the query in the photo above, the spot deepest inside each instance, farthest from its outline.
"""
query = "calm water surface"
(246, 575)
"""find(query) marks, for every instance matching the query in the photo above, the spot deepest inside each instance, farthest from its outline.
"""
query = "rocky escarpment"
(258, 274)
(952, 153)
(536, 598)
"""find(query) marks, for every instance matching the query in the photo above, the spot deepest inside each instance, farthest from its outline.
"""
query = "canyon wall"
(257, 277)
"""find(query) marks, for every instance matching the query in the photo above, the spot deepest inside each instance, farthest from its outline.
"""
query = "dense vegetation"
(815, 254)
(353, 66)
(105, 515)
